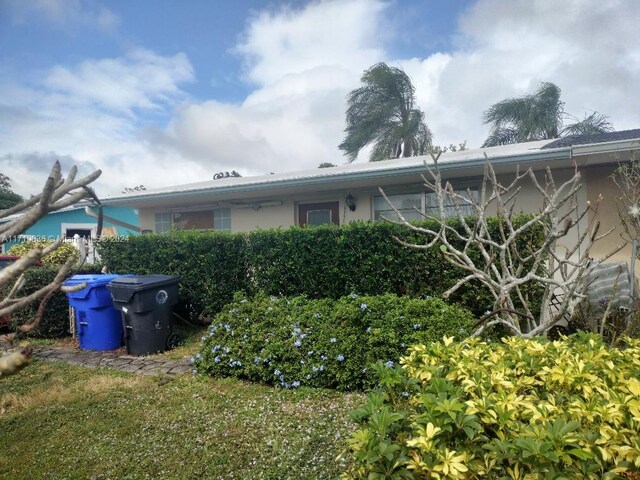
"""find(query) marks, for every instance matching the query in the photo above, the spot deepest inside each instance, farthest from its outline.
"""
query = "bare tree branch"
(56, 194)
(498, 260)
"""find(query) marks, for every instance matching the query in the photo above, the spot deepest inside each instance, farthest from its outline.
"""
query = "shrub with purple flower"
(340, 342)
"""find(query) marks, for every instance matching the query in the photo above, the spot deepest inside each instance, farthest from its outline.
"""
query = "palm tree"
(383, 112)
(537, 117)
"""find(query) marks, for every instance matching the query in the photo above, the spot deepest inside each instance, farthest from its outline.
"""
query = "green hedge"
(212, 264)
(296, 341)
(55, 322)
(318, 262)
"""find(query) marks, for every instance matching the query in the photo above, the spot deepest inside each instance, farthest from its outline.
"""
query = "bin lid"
(92, 280)
(136, 283)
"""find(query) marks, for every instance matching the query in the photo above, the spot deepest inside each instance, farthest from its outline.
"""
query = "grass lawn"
(61, 421)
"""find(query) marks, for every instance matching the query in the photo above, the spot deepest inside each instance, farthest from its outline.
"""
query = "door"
(318, 213)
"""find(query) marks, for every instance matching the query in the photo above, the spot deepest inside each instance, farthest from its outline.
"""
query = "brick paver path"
(109, 359)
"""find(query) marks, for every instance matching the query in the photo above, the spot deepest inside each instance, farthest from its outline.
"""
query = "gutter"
(555, 154)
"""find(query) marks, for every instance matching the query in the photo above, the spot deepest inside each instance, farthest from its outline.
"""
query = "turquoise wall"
(50, 225)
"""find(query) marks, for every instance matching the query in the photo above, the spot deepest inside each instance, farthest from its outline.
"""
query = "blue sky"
(160, 92)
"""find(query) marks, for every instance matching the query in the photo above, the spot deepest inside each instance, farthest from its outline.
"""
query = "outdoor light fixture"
(351, 202)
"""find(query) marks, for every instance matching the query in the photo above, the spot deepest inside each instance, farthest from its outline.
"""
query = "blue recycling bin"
(98, 324)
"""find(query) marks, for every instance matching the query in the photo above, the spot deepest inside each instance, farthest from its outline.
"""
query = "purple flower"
(297, 343)
(389, 364)
(363, 306)
(340, 358)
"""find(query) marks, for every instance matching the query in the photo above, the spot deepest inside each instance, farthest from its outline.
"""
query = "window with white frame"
(222, 219)
(412, 206)
(162, 222)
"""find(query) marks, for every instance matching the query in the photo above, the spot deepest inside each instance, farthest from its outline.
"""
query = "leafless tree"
(627, 179)
(58, 192)
(497, 260)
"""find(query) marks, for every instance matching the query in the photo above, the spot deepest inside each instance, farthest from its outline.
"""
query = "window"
(162, 222)
(318, 213)
(431, 204)
(222, 219)
(198, 220)
(215, 219)
(405, 203)
(412, 205)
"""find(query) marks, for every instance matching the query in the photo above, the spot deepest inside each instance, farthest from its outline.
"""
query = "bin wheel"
(173, 340)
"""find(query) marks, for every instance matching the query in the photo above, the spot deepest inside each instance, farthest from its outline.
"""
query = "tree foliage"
(537, 116)
(382, 112)
(8, 198)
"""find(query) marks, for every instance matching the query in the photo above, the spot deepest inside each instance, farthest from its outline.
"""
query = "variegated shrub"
(520, 409)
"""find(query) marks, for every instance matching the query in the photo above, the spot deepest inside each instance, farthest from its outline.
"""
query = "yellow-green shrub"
(58, 257)
(521, 409)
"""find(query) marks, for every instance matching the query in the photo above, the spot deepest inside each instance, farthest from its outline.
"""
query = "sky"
(165, 92)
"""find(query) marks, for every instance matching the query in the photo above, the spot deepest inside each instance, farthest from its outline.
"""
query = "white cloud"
(303, 62)
(93, 112)
(587, 47)
(62, 13)
(141, 80)
(345, 34)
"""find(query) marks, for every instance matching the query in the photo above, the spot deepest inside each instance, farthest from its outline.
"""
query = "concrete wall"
(598, 182)
(277, 216)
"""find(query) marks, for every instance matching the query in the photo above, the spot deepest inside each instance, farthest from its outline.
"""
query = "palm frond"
(382, 112)
(590, 125)
(522, 119)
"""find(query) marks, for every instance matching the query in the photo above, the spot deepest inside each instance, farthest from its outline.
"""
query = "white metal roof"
(390, 167)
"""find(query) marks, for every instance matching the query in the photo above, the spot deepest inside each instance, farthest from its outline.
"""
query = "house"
(350, 192)
(81, 219)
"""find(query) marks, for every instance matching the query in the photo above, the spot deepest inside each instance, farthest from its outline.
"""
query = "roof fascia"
(527, 158)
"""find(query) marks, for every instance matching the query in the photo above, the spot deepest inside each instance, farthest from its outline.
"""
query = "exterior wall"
(529, 200)
(52, 224)
(277, 216)
(598, 182)
(247, 219)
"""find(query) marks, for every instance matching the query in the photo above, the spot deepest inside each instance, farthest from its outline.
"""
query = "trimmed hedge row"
(293, 342)
(55, 321)
(318, 262)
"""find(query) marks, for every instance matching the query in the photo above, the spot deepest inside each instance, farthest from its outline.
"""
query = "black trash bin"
(145, 303)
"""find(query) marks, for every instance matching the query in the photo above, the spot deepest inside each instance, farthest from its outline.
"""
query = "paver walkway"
(110, 359)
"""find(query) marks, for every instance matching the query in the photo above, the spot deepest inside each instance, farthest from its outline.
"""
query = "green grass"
(60, 421)
(190, 341)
